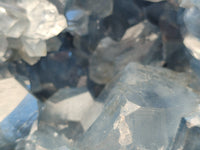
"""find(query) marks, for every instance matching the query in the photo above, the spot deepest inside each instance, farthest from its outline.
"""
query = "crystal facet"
(18, 110)
(110, 56)
(45, 138)
(71, 105)
(143, 109)
(188, 134)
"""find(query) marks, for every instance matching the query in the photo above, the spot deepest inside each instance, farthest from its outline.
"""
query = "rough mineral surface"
(18, 110)
(13, 20)
(188, 134)
(110, 56)
(32, 22)
(44, 23)
(143, 109)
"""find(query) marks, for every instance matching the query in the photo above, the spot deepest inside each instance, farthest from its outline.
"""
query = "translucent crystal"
(100, 8)
(78, 12)
(44, 23)
(143, 108)
(77, 20)
(192, 37)
(34, 47)
(71, 105)
(27, 58)
(30, 23)
(45, 138)
(30, 50)
(192, 21)
(193, 44)
(13, 20)
(18, 110)
(188, 134)
(110, 56)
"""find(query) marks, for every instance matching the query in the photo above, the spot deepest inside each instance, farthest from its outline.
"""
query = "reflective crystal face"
(192, 22)
(46, 138)
(44, 23)
(188, 134)
(111, 56)
(71, 111)
(18, 111)
(143, 110)
(77, 21)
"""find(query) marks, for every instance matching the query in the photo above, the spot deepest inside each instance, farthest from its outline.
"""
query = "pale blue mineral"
(18, 111)
(143, 109)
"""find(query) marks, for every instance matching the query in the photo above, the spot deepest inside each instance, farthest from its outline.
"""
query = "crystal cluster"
(25, 23)
(111, 56)
(99, 75)
(142, 110)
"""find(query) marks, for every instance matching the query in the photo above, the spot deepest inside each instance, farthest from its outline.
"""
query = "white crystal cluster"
(192, 23)
(26, 25)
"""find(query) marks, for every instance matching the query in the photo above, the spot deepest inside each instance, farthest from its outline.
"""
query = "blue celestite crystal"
(18, 111)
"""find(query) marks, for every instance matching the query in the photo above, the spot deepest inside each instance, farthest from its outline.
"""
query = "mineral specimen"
(77, 21)
(191, 20)
(192, 39)
(188, 134)
(32, 25)
(99, 48)
(193, 44)
(18, 110)
(44, 23)
(13, 20)
(143, 108)
(78, 13)
(71, 105)
(45, 138)
(110, 56)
